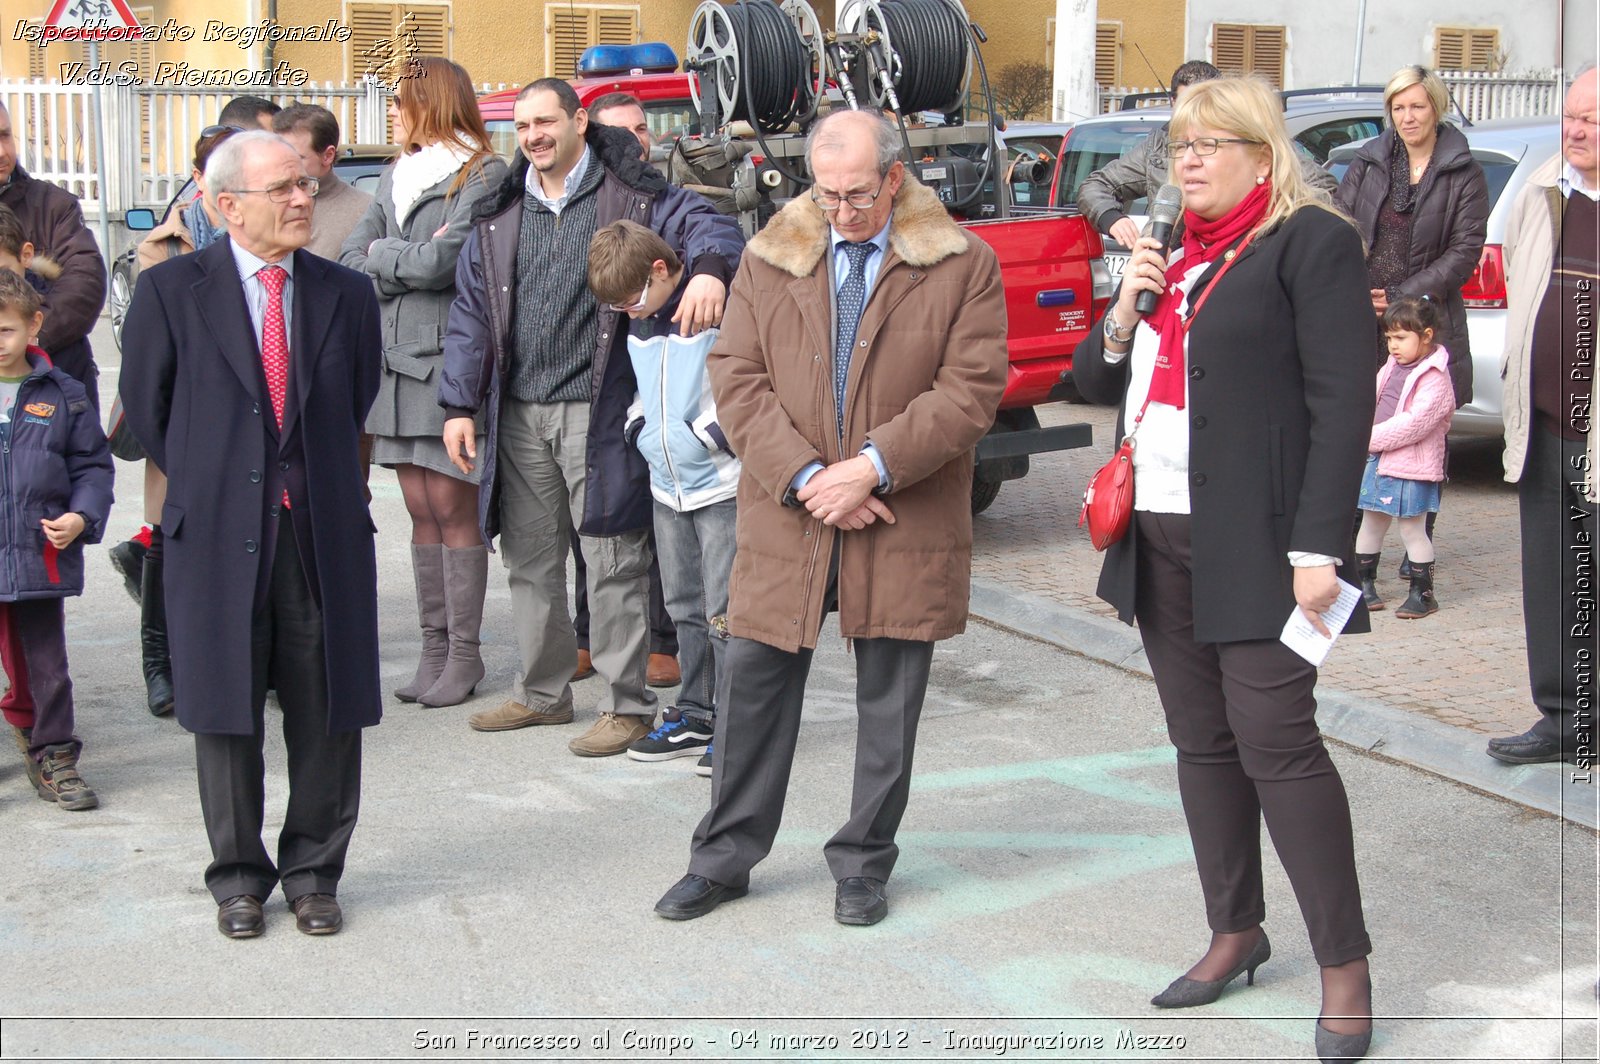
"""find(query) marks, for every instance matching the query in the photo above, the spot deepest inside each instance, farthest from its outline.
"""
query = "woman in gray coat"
(408, 242)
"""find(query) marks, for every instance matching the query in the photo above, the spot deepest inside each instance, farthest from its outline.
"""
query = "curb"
(1372, 727)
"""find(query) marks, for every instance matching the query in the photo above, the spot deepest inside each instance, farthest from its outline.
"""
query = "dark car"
(357, 164)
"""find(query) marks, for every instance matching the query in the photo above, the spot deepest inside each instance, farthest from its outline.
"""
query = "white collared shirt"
(1571, 181)
(568, 187)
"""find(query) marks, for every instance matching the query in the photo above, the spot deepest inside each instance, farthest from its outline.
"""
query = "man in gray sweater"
(314, 132)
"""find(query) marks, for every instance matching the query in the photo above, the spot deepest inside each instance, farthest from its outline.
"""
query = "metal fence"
(1482, 96)
(150, 133)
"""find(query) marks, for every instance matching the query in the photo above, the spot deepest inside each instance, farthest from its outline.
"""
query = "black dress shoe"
(860, 900)
(317, 914)
(1527, 749)
(694, 896)
(240, 917)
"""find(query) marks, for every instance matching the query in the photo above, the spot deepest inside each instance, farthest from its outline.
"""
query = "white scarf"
(419, 171)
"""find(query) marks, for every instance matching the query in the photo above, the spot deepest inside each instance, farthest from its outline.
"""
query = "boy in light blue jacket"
(693, 474)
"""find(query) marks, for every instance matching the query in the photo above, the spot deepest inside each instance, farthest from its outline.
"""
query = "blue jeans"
(695, 552)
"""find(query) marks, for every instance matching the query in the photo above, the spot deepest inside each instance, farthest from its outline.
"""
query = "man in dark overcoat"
(249, 370)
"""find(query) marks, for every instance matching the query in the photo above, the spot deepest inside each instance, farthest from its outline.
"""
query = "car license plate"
(1115, 261)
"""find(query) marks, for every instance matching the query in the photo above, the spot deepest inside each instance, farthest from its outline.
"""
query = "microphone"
(1164, 211)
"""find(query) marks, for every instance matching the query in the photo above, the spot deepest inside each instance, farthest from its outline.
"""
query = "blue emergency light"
(653, 57)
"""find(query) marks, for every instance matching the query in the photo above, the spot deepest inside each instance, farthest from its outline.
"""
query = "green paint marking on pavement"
(1095, 774)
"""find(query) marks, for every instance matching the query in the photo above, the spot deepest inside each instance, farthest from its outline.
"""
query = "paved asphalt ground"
(499, 891)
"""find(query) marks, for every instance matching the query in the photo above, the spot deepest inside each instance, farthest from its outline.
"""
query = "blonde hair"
(1248, 107)
(620, 257)
(1405, 77)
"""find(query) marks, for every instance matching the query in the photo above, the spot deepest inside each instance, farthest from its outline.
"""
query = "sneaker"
(703, 766)
(127, 558)
(611, 734)
(60, 783)
(678, 736)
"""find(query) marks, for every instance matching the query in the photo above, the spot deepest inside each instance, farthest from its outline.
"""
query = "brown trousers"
(1243, 717)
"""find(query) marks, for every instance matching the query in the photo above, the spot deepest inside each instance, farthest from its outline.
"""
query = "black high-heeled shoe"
(1185, 993)
(1333, 1048)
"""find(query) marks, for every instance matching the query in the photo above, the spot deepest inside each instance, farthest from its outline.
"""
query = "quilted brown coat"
(927, 374)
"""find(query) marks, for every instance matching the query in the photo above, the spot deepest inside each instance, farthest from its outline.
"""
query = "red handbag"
(1108, 500)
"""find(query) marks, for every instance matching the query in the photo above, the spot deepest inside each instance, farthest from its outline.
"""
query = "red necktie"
(275, 344)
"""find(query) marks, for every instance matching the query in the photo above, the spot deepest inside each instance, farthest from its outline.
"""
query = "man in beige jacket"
(862, 356)
(1552, 271)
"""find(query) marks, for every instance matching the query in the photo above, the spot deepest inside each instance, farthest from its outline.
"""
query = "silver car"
(1508, 150)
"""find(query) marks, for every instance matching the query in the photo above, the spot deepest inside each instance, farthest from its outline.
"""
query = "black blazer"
(195, 396)
(1281, 400)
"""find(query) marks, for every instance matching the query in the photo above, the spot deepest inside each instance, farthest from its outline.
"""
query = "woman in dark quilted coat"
(1422, 205)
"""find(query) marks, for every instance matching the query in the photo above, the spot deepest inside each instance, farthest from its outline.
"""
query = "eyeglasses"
(211, 131)
(1203, 146)
(282, 193)
(644, 296)
(861, 201)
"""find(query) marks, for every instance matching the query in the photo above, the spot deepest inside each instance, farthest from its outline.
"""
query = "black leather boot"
(1420, 602)
(153, 638)
(1367, 568)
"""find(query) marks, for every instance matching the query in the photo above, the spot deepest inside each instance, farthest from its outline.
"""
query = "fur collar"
(615, 149)
(920, 232)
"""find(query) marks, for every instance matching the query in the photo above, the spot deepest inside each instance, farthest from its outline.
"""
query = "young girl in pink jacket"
(1406, 463)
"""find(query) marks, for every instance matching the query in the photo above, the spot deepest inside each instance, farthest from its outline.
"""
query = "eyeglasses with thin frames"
(212, 131)
(861, 201)
(1203, 146)
(282, 193)
(644, 297)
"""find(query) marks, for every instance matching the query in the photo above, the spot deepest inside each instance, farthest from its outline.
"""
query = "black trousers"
(760, 690)
(324, 770)
(1558, 529)
(1243, 717)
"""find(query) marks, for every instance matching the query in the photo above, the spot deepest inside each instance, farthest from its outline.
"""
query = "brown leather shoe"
(317, 914)
(611, 734)
(512, 714)
(240, 917)
(663, 671)
(585, 667)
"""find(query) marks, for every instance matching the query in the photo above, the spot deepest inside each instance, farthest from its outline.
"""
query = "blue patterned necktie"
(847, 315)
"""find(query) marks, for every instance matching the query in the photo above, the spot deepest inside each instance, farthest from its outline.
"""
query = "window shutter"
(369, 24)
(616, 27)
(1482, 46)
(1229, 48)
(37, 67)
(1108, 53)
(1248, 49)
(1266, 53)
(433, 29)
(569, 36)
(1449, 49)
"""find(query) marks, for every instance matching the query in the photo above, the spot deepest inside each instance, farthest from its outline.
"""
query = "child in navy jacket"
(55, 496)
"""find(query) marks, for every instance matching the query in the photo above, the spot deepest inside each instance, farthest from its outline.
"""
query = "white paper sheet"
(1300, 637)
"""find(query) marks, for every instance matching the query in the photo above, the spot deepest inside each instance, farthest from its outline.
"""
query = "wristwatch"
(1115, 334)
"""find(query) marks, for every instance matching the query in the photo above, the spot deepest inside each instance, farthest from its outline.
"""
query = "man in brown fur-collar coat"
(862, 356)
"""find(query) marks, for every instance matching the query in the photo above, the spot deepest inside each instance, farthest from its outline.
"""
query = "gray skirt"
(425, 451)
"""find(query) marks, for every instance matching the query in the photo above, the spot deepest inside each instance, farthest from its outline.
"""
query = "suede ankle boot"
(157, 659)
(1421, 601)
(427, 564)
(1367, 567)
(466, 574)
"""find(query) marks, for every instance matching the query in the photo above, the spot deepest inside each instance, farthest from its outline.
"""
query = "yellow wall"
(1157, 27)
(496, 40)
(1017, 31)
(200, 54)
